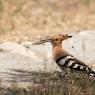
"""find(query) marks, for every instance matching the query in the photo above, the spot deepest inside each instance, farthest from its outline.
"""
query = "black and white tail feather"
(73, 63)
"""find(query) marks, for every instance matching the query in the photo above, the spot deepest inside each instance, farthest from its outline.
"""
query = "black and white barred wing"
(73, 63)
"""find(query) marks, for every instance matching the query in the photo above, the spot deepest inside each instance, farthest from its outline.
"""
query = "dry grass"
(25, 20)
(52, 84)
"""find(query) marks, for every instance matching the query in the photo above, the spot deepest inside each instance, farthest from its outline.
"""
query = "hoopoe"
(62, 57)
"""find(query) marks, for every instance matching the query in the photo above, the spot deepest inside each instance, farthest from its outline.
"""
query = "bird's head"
(55, 40)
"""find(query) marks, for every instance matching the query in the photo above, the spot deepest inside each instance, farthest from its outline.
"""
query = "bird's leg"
(64, 73)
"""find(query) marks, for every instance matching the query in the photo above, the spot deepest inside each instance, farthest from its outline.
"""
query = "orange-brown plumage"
(63, 58)
(57, 49)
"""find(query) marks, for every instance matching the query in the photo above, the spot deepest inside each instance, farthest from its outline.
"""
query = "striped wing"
(72, 63)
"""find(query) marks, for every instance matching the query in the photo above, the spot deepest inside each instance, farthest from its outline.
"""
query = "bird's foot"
(62, 75)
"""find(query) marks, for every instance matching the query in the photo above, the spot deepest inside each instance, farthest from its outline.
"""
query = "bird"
(63, 58)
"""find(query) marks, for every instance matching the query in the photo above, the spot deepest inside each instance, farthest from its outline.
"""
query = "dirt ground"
(29, 19)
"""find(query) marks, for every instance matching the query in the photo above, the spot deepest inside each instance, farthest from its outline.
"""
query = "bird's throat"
(57, 51)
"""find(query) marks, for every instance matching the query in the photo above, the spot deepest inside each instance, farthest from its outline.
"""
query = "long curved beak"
(42, 41)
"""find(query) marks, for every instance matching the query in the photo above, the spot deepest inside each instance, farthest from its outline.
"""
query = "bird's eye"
(56, 39)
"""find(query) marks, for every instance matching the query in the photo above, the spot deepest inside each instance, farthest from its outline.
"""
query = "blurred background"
(22, 20)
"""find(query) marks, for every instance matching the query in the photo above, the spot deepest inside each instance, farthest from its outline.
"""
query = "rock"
(17, 49)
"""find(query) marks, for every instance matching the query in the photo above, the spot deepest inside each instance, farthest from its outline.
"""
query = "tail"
(92, 73)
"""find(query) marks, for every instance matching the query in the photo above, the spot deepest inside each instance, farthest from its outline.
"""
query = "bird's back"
(64, 59)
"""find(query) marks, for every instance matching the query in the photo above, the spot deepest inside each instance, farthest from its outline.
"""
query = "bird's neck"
(57, 45)
(57, 51)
